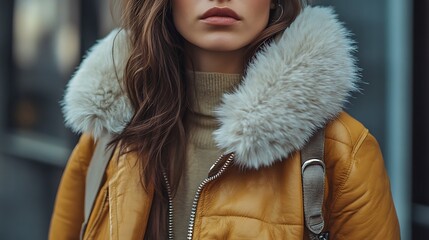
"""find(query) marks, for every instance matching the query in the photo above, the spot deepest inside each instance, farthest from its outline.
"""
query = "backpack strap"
(313, 184)
(94, 176)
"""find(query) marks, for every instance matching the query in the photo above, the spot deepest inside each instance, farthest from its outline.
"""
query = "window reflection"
(45, 52)
(41, 46)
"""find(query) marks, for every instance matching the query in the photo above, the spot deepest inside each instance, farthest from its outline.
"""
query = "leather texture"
(243, 203)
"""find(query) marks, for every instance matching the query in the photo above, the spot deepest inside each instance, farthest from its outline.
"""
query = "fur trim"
(94, 101)
(292, 88)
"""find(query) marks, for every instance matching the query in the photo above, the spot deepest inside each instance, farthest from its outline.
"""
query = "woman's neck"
(215, 61)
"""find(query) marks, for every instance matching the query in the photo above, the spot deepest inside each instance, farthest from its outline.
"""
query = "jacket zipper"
(201, 187)
(170, 208)
(196, 198)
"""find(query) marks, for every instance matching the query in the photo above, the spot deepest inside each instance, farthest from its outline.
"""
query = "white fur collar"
(292, 88)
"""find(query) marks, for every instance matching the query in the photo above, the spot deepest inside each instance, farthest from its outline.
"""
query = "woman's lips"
(219, 21)
(220, 16)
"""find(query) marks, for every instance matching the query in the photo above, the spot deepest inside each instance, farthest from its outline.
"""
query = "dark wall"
(421, 120)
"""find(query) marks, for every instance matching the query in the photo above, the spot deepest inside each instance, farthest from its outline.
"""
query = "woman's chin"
(221, 46)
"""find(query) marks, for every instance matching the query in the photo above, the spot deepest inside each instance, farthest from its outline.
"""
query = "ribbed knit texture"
(205, 94)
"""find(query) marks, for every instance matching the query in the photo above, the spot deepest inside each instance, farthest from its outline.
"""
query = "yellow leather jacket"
(297, 85)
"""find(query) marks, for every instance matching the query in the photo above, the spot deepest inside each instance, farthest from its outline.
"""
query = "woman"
(189, 80)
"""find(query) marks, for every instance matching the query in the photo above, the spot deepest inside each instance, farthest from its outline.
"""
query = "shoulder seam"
(358, 144)
(347, 129)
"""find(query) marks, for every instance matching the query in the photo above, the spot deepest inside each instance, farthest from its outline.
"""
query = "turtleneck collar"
(205, 90)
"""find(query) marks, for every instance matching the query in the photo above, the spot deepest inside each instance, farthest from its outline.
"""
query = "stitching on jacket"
(338, 141)
(360, 141)
(361, 138)
(252, 218)
(113, 211)
(100, 212)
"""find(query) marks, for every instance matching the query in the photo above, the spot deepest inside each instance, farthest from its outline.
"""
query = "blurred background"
(42, 42)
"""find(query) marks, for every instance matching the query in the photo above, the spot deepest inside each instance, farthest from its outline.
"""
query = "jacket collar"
(293, 87)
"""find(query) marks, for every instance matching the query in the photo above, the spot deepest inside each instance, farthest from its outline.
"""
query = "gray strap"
(313, 183)
(94, 176)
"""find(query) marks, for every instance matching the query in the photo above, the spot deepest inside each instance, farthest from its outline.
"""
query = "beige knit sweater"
(205, 93)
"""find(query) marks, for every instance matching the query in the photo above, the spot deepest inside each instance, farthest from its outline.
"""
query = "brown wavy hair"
(154, 82)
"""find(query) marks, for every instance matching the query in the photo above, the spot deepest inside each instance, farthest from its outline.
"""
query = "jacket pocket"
(98, 222)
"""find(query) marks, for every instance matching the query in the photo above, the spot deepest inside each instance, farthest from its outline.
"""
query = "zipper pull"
(216, 167)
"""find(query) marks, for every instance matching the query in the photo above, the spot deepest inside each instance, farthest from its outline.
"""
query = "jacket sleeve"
(363, 207)
(68, 212)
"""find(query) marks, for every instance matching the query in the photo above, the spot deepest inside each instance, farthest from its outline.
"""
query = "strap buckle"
(313, 175)
(312, 162)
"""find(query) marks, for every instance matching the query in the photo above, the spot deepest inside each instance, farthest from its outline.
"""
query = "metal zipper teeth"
(170, 208)
(201, 187)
